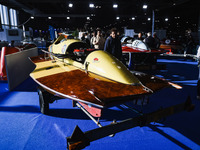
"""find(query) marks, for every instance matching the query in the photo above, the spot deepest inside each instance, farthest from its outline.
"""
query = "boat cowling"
(66, 46)
(104, 64)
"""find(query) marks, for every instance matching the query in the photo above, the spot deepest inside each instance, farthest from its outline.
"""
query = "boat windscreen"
(76, 45)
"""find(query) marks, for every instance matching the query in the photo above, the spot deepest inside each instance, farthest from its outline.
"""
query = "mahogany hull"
(70, 82)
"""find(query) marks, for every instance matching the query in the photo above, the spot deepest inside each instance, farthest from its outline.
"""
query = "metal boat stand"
(87, 110)
(97, 122)
(89, 115)
(79, 139)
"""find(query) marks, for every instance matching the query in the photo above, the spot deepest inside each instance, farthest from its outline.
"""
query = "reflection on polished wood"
(79, 85)
(90, 88)
(152, 82)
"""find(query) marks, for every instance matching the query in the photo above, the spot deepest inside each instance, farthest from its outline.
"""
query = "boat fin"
(19, 66)
(78, 140)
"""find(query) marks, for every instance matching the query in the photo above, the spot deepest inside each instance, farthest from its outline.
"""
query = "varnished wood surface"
(40, 58)
(170, 46)
(79, 85)
(152, 82)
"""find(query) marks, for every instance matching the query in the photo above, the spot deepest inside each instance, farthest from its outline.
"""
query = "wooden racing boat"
(95, 80)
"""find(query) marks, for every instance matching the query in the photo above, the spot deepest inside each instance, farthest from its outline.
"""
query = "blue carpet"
(23, 127)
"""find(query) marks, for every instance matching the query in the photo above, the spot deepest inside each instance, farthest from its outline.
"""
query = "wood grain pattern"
(152, 82)
(40, 58)
(79, 85)
(89, 88)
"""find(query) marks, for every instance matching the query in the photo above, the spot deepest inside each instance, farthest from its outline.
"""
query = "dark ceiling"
(182, 14)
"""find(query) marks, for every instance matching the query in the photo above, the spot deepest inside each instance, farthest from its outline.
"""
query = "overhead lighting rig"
(91, 5)
(115, 6)
(70, 5)
(145, 6)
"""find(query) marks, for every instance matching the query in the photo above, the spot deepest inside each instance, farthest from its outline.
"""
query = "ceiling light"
(70, 5)
(68, 18)
(115, 5)
(149, 19)
(32, 17)
(144, 7)
(88, 18)
(49, 17)
(166, 19)
(133, 18)
(117, 18)
(91, 5)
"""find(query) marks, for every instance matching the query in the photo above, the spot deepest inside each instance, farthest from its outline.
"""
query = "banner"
(52, 32)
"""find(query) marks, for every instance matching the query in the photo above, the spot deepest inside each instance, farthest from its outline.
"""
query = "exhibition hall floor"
(23, 127)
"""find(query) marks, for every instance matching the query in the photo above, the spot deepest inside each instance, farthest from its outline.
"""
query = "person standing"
(85, 39)
(149, 41)
(92, 39)
(157, 41)
(99, 41)
(139, 36)
(113, 44)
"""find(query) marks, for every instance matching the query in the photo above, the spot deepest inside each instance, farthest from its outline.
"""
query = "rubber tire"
(43, 101)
